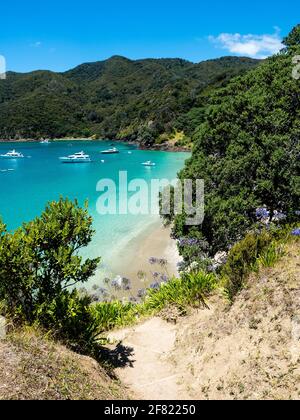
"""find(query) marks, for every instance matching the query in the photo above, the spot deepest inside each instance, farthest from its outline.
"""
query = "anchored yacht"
(112, 151)
(149, 163)
(80, 157)
(12, 155)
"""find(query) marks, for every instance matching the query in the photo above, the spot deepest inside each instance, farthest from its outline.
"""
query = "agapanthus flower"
(163, 262)
(126, 284)
(155, 286)
(262, 213)
(296, 232)
(156, 275)
(141, 293)
(103, 291)
(192, 242)
(279, 216)
(117, 283)
(164, 278)
(153, 260)
(297, 212)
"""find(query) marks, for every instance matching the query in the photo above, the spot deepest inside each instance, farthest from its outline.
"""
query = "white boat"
(149, 163)
(112, 151)
(80, 157)
(45, 141)
(12, 155)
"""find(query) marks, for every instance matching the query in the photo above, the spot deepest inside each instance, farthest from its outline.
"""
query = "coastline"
(164, 147)
(155, 241)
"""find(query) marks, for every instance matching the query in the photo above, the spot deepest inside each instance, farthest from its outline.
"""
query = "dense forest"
(149, 101)
(247, 150)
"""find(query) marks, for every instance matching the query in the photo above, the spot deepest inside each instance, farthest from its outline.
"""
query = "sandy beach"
(156, 242)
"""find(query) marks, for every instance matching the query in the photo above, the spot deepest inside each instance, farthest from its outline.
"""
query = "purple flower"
(297, 212)
(117, 283)
(153, 260)
(192, 242)
(103, 291)
(262, 213)
(155, 286)
(163, 262)
(141, 293)
(164, 278)
(156, 275)
(126, 284)
(296, 232)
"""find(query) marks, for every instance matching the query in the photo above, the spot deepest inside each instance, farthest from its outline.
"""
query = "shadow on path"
(119, 357)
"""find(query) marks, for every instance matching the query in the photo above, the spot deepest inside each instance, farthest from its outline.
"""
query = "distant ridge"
(139, 100)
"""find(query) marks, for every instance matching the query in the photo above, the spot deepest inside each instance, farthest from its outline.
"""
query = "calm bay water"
(41, 177)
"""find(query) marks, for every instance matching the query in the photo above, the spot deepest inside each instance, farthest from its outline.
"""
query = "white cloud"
(256, 46)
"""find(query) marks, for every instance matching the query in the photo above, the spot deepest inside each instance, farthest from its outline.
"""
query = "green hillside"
(117, 98)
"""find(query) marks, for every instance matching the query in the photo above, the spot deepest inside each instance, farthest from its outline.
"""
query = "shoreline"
(164, 147)
(154, 241)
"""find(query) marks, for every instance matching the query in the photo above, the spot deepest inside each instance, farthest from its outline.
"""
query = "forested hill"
(147, 100)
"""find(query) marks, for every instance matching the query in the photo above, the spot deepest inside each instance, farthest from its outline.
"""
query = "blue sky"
(59, 35)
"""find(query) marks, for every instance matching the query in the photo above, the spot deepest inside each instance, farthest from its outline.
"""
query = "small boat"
(149, 163)
(12, 155)
(112, 151)
(80, 157)
(46, 141)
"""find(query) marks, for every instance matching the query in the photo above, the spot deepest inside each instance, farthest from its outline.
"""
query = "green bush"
(39, 264)
(242, 258)
(115, 314)
(70, 318)
(190, 289)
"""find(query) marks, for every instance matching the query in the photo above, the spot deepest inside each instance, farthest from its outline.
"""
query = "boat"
(12, 155)
(45, 141)
(149, 163)
(112, 151)
(80, 157)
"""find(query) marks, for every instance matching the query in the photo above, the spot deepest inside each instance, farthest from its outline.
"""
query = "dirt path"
(150, 375)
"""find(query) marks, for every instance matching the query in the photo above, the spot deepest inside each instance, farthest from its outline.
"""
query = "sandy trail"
(150, 376)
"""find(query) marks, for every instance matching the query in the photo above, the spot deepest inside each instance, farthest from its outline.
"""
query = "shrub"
(242, 258)
(115, 314)
(188, 290)
(39, 263)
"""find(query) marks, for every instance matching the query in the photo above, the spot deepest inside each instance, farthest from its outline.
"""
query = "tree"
(293, 39)
(247, 151)
(40, 261)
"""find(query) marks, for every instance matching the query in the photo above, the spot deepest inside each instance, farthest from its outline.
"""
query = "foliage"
(191, 289)
(259, 249)
(115, 314)
(241, 260)
(39, 263)
(247, 151)
(293, 39)
(116, 98)
(70, 318)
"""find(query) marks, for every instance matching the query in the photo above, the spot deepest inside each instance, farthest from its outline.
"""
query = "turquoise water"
(41, 177)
